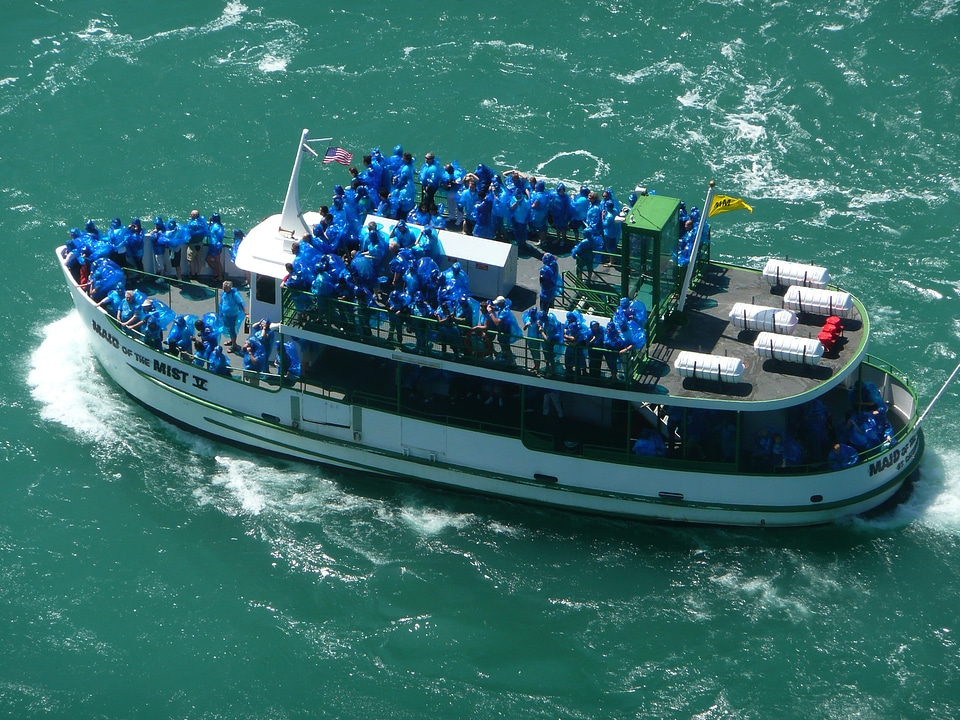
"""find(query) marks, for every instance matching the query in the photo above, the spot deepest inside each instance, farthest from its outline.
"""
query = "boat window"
(266, 289)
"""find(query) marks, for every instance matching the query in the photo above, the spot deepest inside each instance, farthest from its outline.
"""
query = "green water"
(145, 573)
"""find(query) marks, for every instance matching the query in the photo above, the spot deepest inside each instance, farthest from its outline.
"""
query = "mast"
(695, 250)
(291, 219)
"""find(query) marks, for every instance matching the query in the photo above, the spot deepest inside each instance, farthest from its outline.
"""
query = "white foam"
(272, 63)
(66, 382)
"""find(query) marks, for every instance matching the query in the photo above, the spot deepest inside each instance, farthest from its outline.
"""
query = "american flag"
(337, 154)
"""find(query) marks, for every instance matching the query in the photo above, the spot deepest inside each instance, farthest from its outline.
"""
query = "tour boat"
(745, 405)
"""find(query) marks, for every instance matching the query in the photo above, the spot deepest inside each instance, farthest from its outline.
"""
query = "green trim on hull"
(296, 452)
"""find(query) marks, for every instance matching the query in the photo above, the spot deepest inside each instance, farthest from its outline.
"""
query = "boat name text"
(158, 366)
(897, 458)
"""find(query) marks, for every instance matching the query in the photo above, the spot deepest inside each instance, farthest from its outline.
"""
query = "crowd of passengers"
(397, 272)
(809, 436)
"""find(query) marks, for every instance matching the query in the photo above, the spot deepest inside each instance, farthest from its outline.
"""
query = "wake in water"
(67, 383)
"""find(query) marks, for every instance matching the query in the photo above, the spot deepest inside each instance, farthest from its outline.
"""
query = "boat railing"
(465, 344)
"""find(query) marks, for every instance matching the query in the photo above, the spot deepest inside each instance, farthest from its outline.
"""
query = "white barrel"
(708, 367)
(771, 346)
(745, 316)
(781, 273)
(818, 302)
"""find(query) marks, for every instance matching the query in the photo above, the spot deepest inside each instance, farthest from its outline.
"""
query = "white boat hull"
(310, 428)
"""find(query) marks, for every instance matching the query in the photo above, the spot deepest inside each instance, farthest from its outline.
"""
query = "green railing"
(464, 344)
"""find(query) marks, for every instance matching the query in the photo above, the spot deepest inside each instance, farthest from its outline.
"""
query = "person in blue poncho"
(179, 339)
(451, 182)
(150, 326)
(111, 301)
(498, 322)
(128, 307)
(532, 329)
(254, 362)
(372, 175)
(196, 234)
(288, 363)
(551, 330)
(117, 237)
(549, 282)
(539, 212)
(519, 218)
(176, 238)
(594, 221)
(615, 341)
(218, 362)
(580, 205)
(430, 173)
(583, 253)
(595, 349)
(842, 456)
(135, 237)
(575, 338)
(402, 235)
(483, 216)
(392, 164)
(611, 226)
(161, 248)
(267, 338)
(215, 233)
(561, 214)
(466, 204)
(232, 311)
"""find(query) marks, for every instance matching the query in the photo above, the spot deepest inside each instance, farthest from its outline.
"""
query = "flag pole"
(691, 265)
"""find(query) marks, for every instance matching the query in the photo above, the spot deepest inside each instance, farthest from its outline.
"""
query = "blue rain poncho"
(113, 300)
(430, 173)
(405, 199)
(232, 311)
(483, 216)
(117, 236)
(429, 243)
(237, 239)
(215, 232)
(364, 273)
(197, 229)
(289, 361)
(531, 322)
(218, 362)
(254, 356)
(403, 235)
(427, 272)
(180, 336)
(212, 327)
(650, 444)
(539, 207)
(842, 456)
(611, 228)
(561, 208)
(456, 283)
(175, 235)
(134, 240)
(467, 200)
(584, 253)
(105, 275)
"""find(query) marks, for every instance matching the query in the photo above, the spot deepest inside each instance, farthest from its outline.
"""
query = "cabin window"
(266, 289)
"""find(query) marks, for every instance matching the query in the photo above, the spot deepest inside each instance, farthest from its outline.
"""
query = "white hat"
(501, 300)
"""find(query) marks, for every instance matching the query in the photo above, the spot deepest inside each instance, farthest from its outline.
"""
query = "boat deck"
(705, 328)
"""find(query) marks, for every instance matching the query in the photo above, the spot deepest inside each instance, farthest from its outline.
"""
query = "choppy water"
(148, 573)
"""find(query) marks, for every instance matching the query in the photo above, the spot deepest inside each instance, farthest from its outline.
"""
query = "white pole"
(688, 278)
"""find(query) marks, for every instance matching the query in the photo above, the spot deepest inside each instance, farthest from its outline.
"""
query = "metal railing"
(459, 342)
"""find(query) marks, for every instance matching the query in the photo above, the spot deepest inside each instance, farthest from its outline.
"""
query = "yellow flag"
(722, 204)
